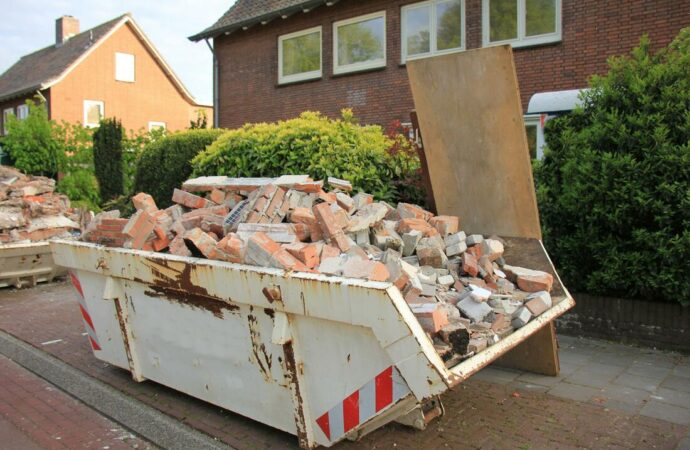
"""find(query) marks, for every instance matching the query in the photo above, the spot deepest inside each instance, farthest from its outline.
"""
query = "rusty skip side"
(201, 283)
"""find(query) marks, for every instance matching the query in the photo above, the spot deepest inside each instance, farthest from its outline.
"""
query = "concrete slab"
(664, 411)
(573, 392)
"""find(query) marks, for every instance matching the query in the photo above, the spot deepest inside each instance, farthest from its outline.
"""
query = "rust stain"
(270, 313)
(261, 356)
(125, 336)
(293, 381)
(180, 288)
(272, 294)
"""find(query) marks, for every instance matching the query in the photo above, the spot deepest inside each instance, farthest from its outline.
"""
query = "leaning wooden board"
(470, 116)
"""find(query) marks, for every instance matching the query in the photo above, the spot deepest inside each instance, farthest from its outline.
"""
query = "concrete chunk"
(475, 311)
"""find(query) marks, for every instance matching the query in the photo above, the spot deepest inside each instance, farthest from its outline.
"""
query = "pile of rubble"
(464, 294)
(31, 210)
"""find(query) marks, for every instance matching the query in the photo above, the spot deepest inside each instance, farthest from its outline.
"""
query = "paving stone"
(681, 370)
(594, 375)
(542, 380)
(664, 411)
(636, 381)
(618, 406)
(529, 387)
(625, 394)
(493, 374)
(677, 383)
(648, 371)
(672, 397)
(573, 392)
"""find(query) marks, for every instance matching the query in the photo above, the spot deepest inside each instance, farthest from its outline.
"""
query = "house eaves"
(223, 26)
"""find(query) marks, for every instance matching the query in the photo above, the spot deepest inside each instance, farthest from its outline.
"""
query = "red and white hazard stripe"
(88, 323)
(387, 388)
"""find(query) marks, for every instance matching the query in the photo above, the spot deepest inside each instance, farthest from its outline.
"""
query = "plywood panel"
(537, 354)
(469, 111)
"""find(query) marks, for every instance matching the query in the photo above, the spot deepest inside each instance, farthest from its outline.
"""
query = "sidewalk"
(35, 415)
(608, 395)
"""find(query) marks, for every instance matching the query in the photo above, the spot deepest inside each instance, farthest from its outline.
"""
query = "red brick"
(331, 230)
(217, 196)
(469, 264)
(445, 224)
(233, 246)
(190, 200)
(144, 201)
(139, 227)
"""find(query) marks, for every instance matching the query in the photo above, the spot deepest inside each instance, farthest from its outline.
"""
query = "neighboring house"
(111, 70)
(276, 58)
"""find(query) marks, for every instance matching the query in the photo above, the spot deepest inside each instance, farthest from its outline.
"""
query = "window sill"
(526, 43)
(359, 71)
(281, 84)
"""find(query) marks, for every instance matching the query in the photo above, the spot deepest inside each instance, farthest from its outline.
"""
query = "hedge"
(315, 145)
(614, 185)
(164, 163)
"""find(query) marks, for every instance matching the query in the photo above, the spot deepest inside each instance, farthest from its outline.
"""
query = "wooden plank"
(537, 354)
(469, 111)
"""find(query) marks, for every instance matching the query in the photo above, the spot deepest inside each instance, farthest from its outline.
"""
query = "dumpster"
(26, 264)
(324, 357)
(317, 356)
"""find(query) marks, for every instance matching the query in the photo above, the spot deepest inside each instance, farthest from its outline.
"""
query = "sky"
(29, 25)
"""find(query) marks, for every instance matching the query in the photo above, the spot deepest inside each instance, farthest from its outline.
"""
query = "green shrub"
(33, 143)
(310, 144)
(82, 189)
(107, 155)
(614, 185)
(165, 163)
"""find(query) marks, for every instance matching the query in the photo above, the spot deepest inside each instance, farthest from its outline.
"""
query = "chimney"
(65, 28)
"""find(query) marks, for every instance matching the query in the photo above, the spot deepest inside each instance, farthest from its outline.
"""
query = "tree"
(201, 120)
(32, 142)
(614, 185)
(107, 155)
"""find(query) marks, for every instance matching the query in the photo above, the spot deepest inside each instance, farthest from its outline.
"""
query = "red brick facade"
(592, 30)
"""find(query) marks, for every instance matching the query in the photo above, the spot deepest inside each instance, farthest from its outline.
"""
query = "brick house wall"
(592, 30)
(152, 97)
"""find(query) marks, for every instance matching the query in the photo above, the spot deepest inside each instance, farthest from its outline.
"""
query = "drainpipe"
(216, 97)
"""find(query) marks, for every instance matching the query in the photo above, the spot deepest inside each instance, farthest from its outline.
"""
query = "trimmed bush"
(165, 164)
(107, 158)
(614, 185)
(315, 145)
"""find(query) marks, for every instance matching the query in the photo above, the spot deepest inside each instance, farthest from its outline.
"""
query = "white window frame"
(284, 79)
(22, 111)
(120, 74)
(6, 113)
(153, 125)
(365, 65)
(522, 40)
(87, 104)
(538, 121)
(432, 33)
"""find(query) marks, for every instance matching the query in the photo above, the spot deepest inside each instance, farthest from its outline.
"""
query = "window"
(93, 113)
(124, 67)
(534, 128)
(157, 126)
(521, 22)
(299, 56)
(22, 112)
(359, 43)
(433, 27)
(5, 118)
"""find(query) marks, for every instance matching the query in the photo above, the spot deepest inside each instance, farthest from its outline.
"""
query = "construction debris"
(31, 210)
(459, 287)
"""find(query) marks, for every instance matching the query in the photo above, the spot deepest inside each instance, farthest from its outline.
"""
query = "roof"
(44, 68)
(36, 69)
(245, 13)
